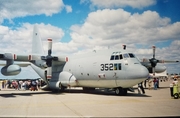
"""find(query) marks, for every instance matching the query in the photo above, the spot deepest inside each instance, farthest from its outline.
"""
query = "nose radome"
(144, 71)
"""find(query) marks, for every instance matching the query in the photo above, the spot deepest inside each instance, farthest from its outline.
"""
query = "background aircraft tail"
(37, 47)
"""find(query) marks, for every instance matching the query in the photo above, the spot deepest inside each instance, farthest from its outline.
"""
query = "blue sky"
(79, 26)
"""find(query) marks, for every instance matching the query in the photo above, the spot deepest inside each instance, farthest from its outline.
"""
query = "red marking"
(66, 59)
(48, 76)
(99, 76)
(49, 39)
(15, 57)
(104, 75)
(30, 57)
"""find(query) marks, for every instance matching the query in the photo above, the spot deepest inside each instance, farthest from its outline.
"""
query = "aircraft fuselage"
(105, 69)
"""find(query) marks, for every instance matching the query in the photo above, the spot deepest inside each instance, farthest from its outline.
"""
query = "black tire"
(121, 91)
(117, 91)
(176, 96)
(61, 87)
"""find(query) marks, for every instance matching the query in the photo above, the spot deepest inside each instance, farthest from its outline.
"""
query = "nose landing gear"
(120, 91)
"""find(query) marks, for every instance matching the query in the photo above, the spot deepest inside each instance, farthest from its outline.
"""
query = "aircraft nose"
(143, 72)
(138, 72)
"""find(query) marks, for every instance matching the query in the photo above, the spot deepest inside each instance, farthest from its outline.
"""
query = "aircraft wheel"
(120, 91)
(117, 91)
(176, 96)
(61, 87)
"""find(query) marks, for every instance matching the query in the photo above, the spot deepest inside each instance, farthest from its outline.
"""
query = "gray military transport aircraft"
(118, 70)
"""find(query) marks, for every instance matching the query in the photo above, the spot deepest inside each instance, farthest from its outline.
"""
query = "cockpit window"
(125, 55)
(117, 57)
(112, 57)
(131, 55)
(121, 57)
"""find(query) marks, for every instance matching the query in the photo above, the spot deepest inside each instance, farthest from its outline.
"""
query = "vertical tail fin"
(37, 47)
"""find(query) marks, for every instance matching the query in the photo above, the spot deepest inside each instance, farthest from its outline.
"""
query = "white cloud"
(10, 9)
(68, 8)
(19, 40)
(111, 27)
(122, 3)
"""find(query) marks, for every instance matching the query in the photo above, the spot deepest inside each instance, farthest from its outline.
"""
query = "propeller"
(153, 60)
(49, 59)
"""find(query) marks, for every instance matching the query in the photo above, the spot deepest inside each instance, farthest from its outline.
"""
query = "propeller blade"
(160, 61)
(153, 51)
(49, 47)
(153, 69)
(49, 73)
(145, 60)
(167, 61)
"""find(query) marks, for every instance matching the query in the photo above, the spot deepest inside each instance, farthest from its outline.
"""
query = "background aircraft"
(113, 69)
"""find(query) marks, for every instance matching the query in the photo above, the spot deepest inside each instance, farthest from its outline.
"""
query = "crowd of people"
(22, 84)
(152, 83)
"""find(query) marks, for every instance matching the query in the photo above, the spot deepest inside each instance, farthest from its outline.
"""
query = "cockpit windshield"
(119, 56)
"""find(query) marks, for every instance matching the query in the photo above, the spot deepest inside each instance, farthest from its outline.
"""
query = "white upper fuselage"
(106, 69)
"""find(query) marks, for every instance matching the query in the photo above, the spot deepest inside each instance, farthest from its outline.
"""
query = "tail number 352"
(106, 67)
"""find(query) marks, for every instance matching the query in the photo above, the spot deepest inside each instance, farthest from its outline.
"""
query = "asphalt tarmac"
(99, 103)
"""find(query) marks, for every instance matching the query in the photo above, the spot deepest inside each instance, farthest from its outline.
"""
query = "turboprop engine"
(65, 79)
(11, 70)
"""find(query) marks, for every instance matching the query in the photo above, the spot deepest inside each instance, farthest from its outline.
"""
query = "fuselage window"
(131, 55)
(112, 57)
(117, 57)
(125, 55)
(117, 66)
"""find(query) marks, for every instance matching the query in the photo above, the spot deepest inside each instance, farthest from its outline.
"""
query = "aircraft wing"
(15, 57)
(145, 60)
(25, 59)
(21, 64)
(148, 62)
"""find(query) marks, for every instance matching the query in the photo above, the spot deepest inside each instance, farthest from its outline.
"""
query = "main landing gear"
(120, 91)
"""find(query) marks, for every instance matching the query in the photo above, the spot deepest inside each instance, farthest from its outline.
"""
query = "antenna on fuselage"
(124, 47)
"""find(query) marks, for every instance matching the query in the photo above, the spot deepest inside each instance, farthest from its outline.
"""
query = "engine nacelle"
(55, 85)
(160, 69)
(65, 79)
(11, 70)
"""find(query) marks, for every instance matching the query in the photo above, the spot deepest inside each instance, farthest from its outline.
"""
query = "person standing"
(155, 83)
(140, 87)
(171, 89)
